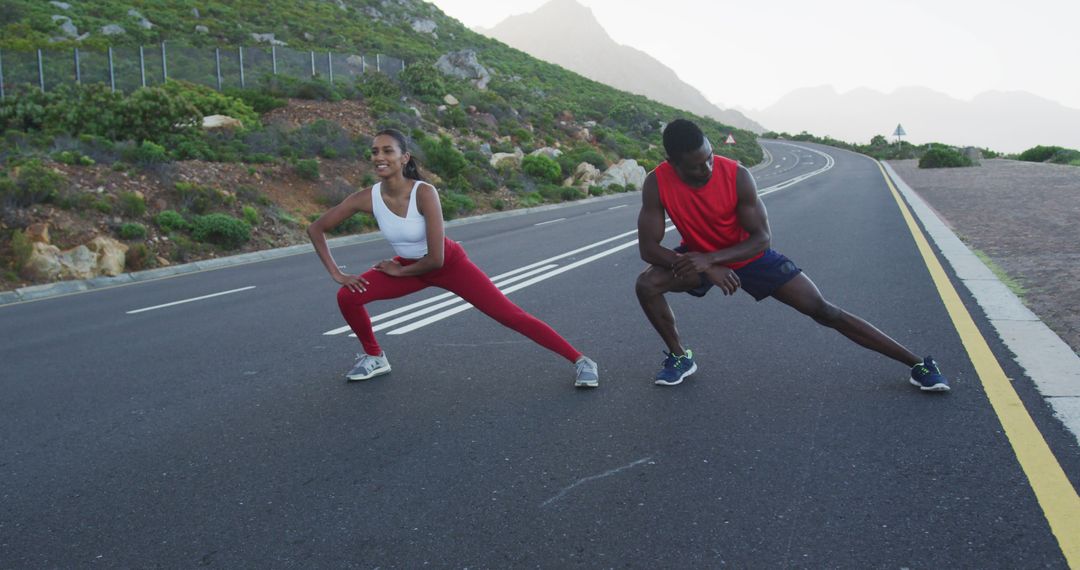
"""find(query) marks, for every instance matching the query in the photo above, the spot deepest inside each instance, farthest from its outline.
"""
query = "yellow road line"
(1056, 495)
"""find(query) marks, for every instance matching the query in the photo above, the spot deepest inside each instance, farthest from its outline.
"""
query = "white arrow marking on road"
(190, 300)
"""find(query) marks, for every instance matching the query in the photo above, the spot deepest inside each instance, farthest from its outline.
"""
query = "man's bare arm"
(651, 226)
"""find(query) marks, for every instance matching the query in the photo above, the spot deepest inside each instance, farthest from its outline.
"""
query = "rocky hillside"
(94, 182)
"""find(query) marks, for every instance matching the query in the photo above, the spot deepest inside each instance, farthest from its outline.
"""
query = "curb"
(62, 288)
(1046, 359)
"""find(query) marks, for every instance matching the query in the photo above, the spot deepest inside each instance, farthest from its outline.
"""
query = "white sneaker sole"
(372, 374)
(678, 380)
(935, 388)
(586, 383)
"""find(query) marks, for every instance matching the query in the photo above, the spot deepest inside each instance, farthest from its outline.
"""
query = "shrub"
(72, 157)
(542, 168)
(377, 85)
(943, 158)
(423, 80)
(530, 199)
(132, 205)
(132, 231)
(153, 114)
(251, 216)
(198, 199)
(454, 204)
(307, 168)
(442, 157)
(146, 153)
(209, 101)
(33, 183)
(21, 248)
(260, 101)
(171, 221)
(221, 229)
(1039, 153)
(569, 193)
(138, 257)
(597, 191)
(354, 224)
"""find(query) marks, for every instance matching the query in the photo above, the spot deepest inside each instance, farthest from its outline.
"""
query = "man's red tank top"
(705, 217)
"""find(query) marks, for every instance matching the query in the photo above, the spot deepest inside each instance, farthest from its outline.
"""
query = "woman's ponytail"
(411, 169)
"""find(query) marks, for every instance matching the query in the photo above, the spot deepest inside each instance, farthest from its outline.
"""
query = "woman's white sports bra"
(407, 235)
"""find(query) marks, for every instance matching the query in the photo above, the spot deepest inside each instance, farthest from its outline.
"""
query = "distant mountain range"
(583, 46)
(1010, 121)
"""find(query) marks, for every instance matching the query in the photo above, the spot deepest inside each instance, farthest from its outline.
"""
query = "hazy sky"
(748, 54)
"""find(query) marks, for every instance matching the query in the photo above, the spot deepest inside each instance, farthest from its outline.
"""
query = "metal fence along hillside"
(128, 68)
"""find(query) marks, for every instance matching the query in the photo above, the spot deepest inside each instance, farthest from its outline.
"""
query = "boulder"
(487, 119)
(507, 159)
(464, 65)
(43, 263)
(584, 175)
(61, 5)
(267, 39)
(38, 233)
(211, 122)
(113, 30)
(450, 100)
(202, 29)
(110, 255)
(626, 171)
(485, 149)
(424, 26)
(78, 263)
(547, 151)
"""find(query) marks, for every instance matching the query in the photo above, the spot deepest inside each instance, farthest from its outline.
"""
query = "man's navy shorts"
(760, 278)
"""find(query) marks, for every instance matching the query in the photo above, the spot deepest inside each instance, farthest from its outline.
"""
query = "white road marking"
(829, 162)
(619, 206)
(190, 300)
(523, 272)
(549, 222)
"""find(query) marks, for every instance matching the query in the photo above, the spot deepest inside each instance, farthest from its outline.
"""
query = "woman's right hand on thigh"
(354, 283)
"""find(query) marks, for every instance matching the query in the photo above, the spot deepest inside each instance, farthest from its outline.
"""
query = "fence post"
(1, 75)
(78, 68)
(378, 64)
(112, 72)
(312, 63)
(164, 65)
(363, 65)
(402, 65)
(273, 57)
(40, 71)
(217, 63)
(142, 66)
(330, 66)
(240, 50)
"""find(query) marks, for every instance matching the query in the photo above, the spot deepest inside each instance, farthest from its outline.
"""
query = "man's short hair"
(682, 136)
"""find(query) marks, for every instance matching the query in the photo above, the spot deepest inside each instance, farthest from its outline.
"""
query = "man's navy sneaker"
(676, 368)
(928, 377)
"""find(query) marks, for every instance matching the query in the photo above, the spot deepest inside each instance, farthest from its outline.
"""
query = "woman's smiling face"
(386, 156)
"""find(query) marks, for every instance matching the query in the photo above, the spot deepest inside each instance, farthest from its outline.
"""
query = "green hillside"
(134, 166)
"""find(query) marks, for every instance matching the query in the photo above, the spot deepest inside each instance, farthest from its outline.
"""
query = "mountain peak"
(585, 47)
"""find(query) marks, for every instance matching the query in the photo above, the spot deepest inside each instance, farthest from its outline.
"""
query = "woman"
(409, 214)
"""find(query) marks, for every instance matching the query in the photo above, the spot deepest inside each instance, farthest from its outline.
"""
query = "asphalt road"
(219, 432)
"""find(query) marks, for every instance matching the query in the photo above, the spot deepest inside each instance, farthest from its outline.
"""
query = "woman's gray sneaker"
(587, 374)
(368, 366)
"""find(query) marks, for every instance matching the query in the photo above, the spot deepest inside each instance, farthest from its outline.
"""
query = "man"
(713, 202)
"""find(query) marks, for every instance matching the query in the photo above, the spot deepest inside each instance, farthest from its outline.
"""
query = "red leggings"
(458, 275)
